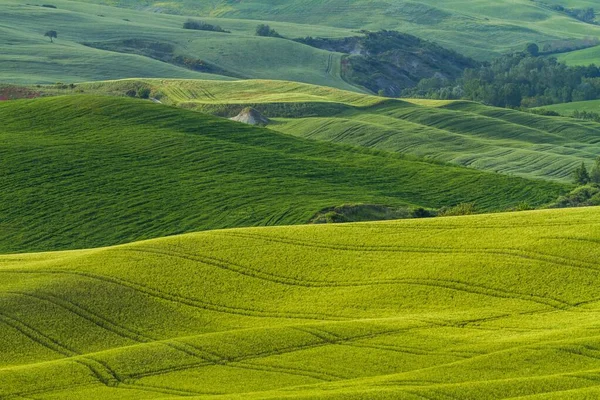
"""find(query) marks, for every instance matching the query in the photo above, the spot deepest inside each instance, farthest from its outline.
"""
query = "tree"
(581, 175)
(51, 34)
(533, 49)
(265, 30)
(595, 174)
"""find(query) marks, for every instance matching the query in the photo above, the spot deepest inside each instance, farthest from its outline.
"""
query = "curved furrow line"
(262, 354)
(527, 254)
(441, 283)
(399, 349)
(102, 372)
(116, 329)
(233, 267)
(23, 395)
(88, 315)
(415, 352)
(287, 370)
(181, 299)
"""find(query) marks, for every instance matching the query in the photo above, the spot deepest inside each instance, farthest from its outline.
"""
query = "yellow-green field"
(482, 307)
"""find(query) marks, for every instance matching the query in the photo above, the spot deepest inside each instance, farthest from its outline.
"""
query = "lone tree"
(581, 175)
(51, 35)
(532, 49)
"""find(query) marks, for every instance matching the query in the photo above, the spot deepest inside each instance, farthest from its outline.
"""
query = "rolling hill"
(88, 171)
(92, 45)
(464, 133)
(480, 307)
(567, 109)
(477, 28)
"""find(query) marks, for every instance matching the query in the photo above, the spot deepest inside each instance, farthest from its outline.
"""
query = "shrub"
(202, 26)
(460, 209)
(144, 93)
(265, 30)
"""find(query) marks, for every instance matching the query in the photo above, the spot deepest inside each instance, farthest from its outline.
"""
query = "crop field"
(88, 171)
(478, 28)
(463, 133)
(581, 57)
(567, 109)
(27, 57)
(419, 309)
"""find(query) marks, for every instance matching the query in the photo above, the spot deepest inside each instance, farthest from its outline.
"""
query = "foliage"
(595, 174)
(144, 93)
(532, 49)
(581, 175)
(459, 209)
(521, 80)
(203, 26)
(386, 62)
(266, 30)
(51, 35)
(582, 196)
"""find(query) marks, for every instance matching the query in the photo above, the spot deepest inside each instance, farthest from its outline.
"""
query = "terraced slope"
(83, 171)
(491, 306)
(464, 133)
(26, 56)
(478, 28)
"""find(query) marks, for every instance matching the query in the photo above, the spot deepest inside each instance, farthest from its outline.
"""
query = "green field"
(477, 28)
(482, 307)
(567, 109)
(581, 57)
(464, 133)
(26, 56)
(88, 171)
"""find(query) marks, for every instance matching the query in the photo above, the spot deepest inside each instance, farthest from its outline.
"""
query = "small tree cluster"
(203, 26)
(581, 176)
(265, 30)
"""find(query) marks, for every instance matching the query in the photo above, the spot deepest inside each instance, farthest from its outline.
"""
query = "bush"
(582, 196)
(131, 93)
(460, 209)
(144, 93)
(265, 30)
(202, 26)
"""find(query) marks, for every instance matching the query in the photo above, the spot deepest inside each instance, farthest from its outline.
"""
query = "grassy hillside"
(28, 57)
(483, 307)
(85, 171)
(568, 108)
(469, 134)
(581, 57)
(478, 28)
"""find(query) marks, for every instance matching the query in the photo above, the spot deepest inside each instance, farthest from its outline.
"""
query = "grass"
(567, 109)
(479, 307)
(479, 28)
(583, 57)
(88, 171)
(464, 133)
(28, 57)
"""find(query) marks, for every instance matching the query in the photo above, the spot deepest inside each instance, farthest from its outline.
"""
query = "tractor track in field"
(525, 254)
(192, 302)
(440, 283)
